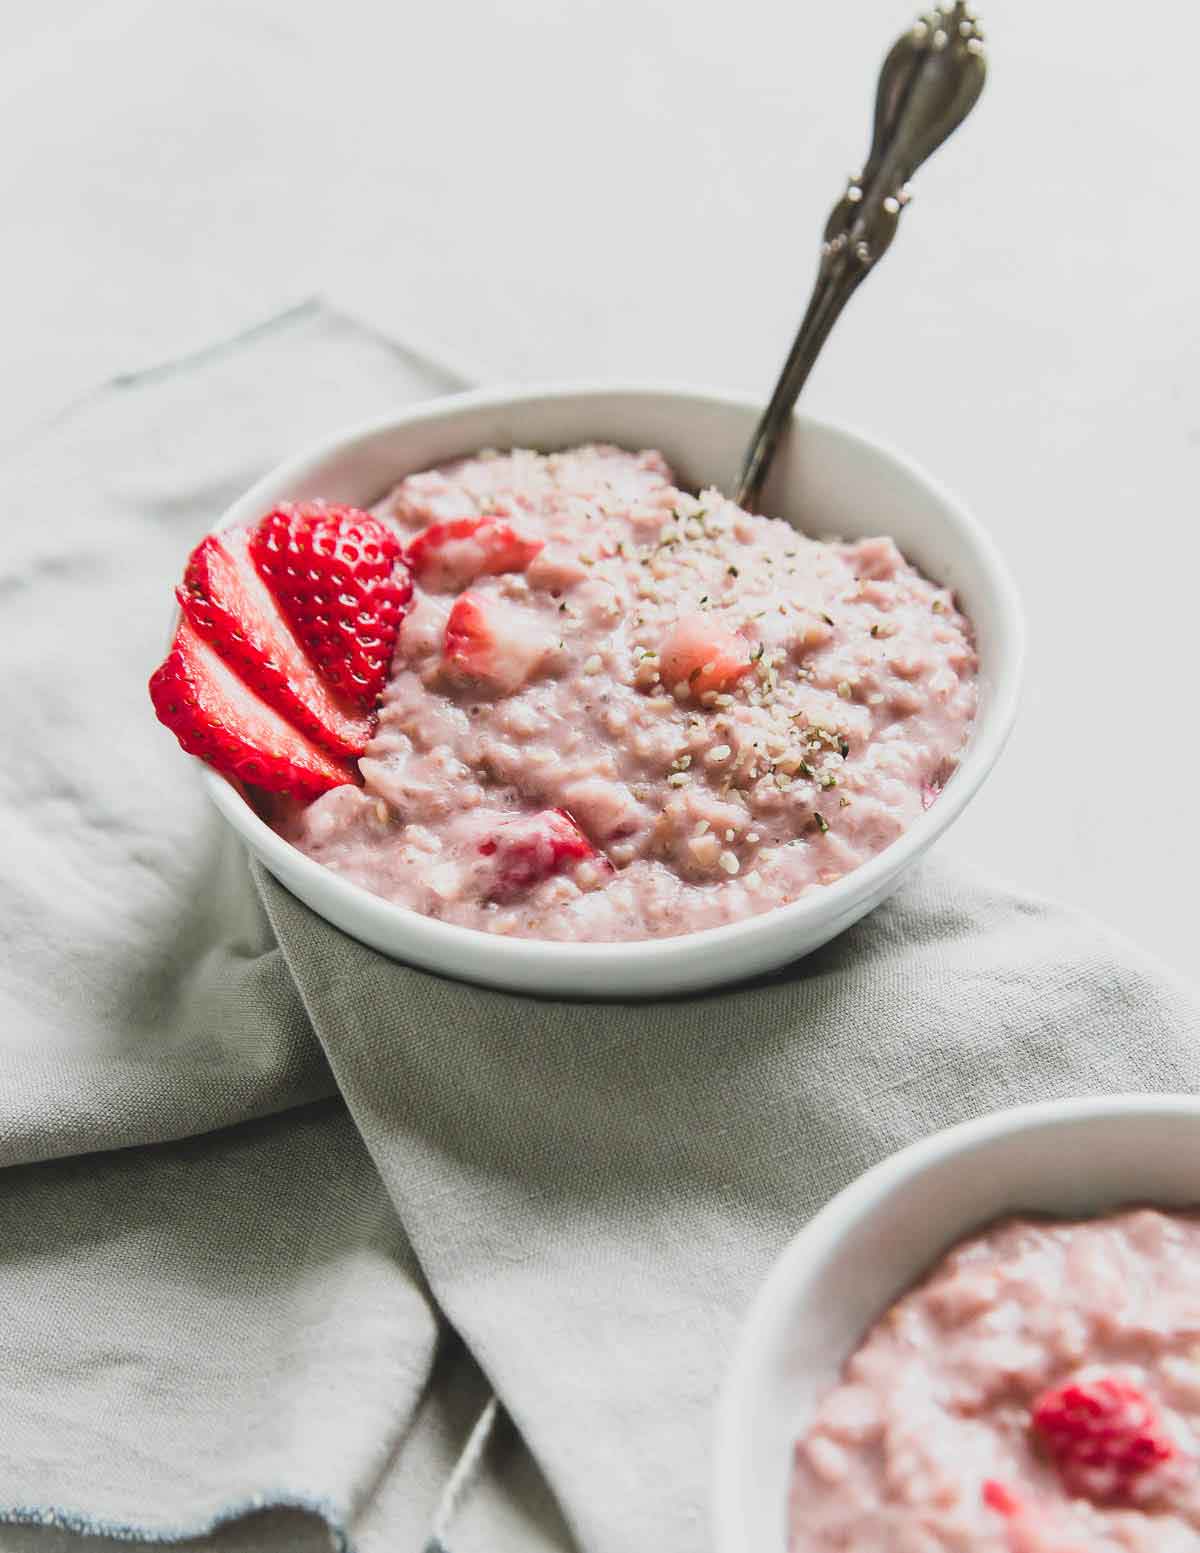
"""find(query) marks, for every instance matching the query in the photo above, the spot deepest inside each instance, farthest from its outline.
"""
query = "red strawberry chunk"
(527, 850)
(217, 716)
(493, 644)
(999, 1497)
(702, 655)
(343, 587)
(1103, 1436)
(228, 605)
(451, 555)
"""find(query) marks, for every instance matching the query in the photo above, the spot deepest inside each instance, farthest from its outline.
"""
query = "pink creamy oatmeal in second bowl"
(621, 711)
(1037, 1392)
(980, 1346)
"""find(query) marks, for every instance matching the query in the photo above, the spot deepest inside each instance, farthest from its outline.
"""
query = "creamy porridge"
(1039, 1392)
(620, 711)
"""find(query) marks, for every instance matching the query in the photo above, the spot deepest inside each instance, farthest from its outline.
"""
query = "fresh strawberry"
(217, 716)
(450, 555)
(343, 587)
(530, 849)
(228, 604)
(492, 644)
(701, 654)
(1103, 1436)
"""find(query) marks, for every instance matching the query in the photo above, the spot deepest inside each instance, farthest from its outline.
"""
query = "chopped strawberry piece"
(530, 849)
(228, 605)
(493, 644)
(217, 716)
(702, 655)
(999, 1497)
(343, 587)
(451, 555)
(1103, 1436)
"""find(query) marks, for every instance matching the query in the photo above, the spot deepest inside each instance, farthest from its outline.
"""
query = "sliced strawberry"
(492, 644)
(217, 716)
(451, 555)
(1103, 1436)
(343, 587)
(228, 604)
(530, 849)
(702, 655)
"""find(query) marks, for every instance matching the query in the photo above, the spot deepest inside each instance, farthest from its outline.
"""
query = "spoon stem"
(930, 81)
(829, 297)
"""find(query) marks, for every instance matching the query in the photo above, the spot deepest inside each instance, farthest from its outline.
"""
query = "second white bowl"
(879, 1235)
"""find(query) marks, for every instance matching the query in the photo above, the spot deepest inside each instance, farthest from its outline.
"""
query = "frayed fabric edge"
(84, 1525)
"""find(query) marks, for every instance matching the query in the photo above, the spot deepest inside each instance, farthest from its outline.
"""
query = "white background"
(635, 188)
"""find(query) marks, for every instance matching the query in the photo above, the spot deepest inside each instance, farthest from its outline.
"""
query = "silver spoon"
(928, 84)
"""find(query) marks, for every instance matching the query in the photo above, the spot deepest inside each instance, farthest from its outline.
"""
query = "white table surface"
(634, 188)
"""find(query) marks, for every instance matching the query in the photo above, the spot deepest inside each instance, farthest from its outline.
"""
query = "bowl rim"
(434, 940)
(771, 1312)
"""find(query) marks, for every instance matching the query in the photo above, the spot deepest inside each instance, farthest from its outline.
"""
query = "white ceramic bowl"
(827, 482)
(875, 1238)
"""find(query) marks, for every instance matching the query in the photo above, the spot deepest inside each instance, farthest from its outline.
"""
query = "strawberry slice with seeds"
(216, 715)
(1104, 1437)
(492, 644)
(228, 605)
(342, 584)
(702, 655)
(451, 555)
(532, 848)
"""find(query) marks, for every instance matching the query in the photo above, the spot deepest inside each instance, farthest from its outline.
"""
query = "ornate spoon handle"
(929, 83)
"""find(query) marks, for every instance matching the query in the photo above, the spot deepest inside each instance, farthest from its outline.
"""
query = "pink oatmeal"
(620, 711)
(1039, 1392)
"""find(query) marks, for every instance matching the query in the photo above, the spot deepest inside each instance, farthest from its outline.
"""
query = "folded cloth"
(220, 1312)
(278, 1212)
(593, 1191)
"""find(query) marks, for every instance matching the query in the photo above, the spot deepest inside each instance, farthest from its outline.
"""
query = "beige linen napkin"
(274, 1207)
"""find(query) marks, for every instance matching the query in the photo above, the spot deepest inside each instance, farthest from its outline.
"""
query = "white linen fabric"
(273, 1207)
